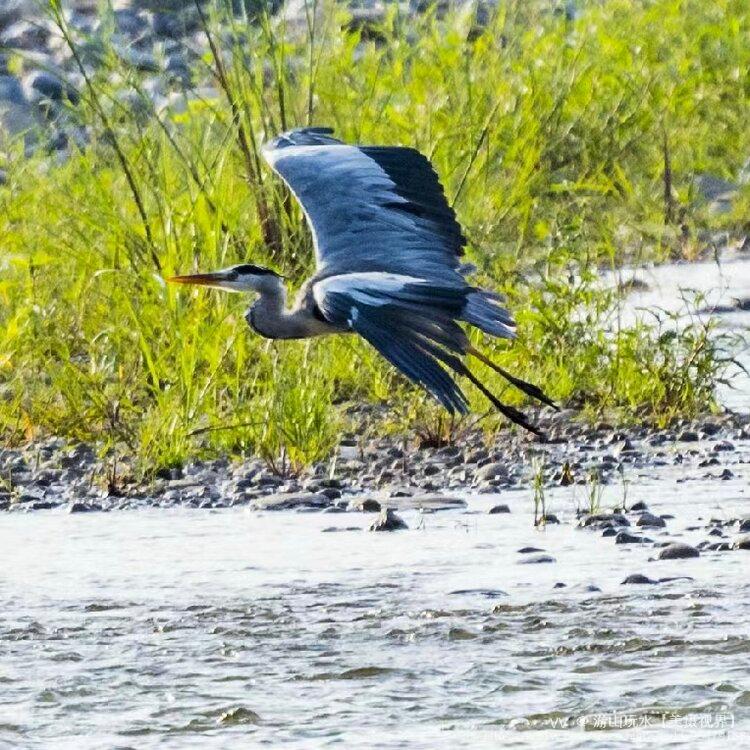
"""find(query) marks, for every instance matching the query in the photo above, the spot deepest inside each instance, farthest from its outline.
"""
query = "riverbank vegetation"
(568, 145)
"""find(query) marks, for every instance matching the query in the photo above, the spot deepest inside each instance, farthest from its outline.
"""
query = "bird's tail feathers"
(485, 311)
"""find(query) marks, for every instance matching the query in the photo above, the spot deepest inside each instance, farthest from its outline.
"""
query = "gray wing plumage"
(388, 249)
(414, 324)
(370, 208)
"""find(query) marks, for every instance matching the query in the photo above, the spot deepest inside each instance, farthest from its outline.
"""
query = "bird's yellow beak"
(216, 279)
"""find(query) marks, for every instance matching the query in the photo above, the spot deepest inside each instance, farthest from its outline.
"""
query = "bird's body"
(388, 251)
(270, 317)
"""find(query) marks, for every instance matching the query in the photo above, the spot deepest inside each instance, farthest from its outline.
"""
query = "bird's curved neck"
(270, 318)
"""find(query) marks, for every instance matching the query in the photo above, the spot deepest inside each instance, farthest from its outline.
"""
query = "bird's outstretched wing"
(370, 208)
(388, 249)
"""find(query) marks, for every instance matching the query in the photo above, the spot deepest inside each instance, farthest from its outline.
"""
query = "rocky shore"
(162, 41)
(370, 475)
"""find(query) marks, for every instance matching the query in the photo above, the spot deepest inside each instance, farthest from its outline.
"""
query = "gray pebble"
(366, 505)
(494, 470)
(624, 537)
(638, 578)
(650, 520)
(536, 559)
(678, 551)
(388, 521)
(290, 500)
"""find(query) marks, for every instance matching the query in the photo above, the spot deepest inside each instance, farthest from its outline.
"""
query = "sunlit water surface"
(203, 629)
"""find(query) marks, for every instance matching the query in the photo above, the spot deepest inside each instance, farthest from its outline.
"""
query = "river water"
(225, 629)
(208, 629)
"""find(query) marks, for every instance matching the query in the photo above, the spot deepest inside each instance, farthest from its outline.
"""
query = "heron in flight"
(388, 254)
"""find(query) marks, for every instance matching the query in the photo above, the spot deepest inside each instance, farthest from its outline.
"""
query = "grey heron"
(388, 252)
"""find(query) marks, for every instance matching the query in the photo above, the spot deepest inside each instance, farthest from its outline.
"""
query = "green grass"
(550, 136)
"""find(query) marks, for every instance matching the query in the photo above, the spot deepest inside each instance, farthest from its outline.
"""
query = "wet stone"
(81, 508)
(43, 505)
(332, 482)
(388, 521)
(688, 436)
(638, 578)
(495, 470)
(51, 87)
(365, 505)
(625, 446)
(678, 551)
(333, 529)
(487, 593)
(639, 506)
(744, 525)
(25, 35)
(495, 509)
(710, 428)
(27, 497)
(400, 492)
(624, 537)
(528, 550)
(536, 560)
(549, 518)
(290, 500)
(589, 588)
(600, 520)
(425, 502)
(334, 509)
(650, 520)
(712, 461)
(716, 546)
(742, 542)
(239, 715)
(723, 446)
(332, 493)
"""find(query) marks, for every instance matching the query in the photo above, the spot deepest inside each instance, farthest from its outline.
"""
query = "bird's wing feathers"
(302, 137)
(370, 208)
(388, 249)
(408, 320)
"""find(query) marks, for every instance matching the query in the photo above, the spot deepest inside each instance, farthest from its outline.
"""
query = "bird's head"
(242, 278)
